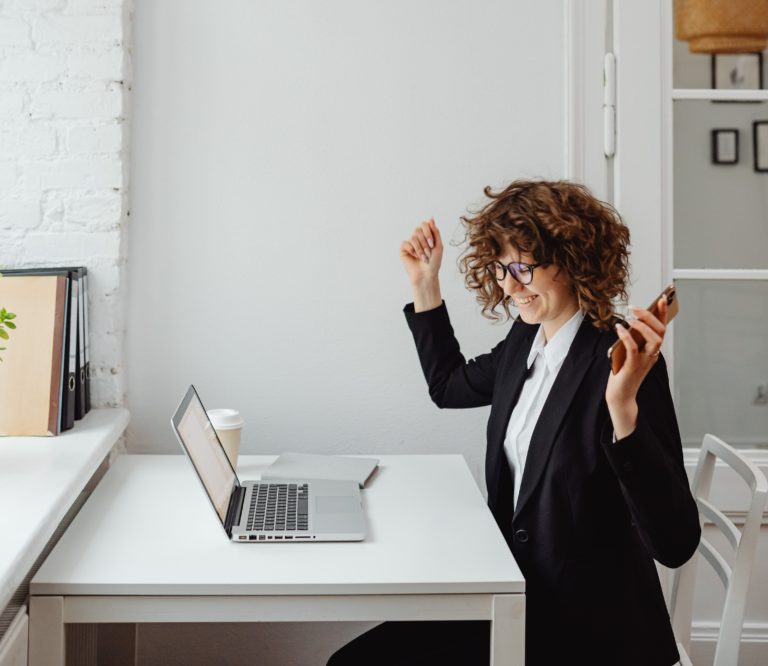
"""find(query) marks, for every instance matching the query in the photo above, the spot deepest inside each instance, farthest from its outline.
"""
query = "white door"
(687, 178)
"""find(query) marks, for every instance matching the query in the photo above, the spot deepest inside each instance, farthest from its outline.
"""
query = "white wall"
(282, 151)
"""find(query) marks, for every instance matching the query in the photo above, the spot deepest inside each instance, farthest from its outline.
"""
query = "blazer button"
(628, 467)
(521, 536)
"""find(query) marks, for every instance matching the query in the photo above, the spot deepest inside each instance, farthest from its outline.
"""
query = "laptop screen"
(201, 443)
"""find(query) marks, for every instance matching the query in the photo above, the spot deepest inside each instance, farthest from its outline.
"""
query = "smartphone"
(618, 352)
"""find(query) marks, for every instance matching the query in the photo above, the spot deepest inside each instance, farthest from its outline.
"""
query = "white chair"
(744, 543)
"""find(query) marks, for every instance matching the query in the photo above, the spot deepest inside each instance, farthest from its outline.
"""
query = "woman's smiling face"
(548, 300)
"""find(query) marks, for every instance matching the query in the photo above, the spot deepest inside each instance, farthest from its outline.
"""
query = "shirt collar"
(556, 349)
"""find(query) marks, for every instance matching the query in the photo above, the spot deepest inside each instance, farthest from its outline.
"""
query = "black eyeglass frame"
(491, 268)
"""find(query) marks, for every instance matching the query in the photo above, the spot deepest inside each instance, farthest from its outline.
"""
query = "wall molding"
(750, 443)
(753, 632)
(754, 643)
(756, 455)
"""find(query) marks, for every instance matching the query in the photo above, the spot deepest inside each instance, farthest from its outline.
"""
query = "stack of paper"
(300, 466)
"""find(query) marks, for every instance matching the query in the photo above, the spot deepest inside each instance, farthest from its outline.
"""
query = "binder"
(80, 379)
(33, 362)
(86, 343)
(69, 384)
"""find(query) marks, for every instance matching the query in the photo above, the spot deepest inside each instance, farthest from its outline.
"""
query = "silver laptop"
(268, 511)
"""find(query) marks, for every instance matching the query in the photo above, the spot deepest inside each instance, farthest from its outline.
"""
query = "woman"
(584, 467)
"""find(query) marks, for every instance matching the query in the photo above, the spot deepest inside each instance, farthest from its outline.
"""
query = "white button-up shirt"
(547, 359)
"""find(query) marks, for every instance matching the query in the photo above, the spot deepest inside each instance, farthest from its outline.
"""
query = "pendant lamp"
(722, 26)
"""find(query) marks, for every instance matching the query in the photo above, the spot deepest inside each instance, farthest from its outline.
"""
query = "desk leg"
(46, 631)
(508, 630)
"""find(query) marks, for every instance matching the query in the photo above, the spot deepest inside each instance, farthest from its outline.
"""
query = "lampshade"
(722, 26)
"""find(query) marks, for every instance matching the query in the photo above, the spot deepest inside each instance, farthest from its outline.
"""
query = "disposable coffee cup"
(228, 425)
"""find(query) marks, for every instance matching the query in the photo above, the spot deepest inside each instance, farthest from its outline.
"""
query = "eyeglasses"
(523, 273)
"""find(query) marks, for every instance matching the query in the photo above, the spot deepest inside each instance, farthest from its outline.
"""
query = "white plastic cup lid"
(225, 419)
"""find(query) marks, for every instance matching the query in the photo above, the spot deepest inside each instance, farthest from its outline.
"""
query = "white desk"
(147, 547)
(40, 478)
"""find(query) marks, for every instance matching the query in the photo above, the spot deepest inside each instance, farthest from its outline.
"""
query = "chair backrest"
(744, 543)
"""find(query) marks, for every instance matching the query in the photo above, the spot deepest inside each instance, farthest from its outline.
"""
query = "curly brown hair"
(557, 222)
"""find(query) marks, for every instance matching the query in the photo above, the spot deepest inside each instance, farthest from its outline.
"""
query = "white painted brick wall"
(64, 91)
(14, 32)
(78, 30)
(104, 139)
(77, 105)
(11, 104)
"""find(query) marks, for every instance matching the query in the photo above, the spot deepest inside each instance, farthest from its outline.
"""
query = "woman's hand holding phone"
(618, 351)
(640, 348)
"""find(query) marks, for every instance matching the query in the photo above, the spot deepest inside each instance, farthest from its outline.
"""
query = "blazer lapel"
(574, 367)
(514, 374)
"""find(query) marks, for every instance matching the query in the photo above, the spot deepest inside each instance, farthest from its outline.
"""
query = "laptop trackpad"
(331, 504)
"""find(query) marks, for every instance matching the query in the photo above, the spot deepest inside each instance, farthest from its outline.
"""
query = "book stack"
(44, 351)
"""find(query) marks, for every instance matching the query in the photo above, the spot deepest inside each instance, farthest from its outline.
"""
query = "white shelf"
(40, 478)
(721, 95)
(719, 274)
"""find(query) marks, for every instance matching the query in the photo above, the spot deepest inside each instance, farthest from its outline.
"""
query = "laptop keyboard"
(279, 507)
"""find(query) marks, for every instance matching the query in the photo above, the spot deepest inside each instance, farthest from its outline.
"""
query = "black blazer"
(592, 515)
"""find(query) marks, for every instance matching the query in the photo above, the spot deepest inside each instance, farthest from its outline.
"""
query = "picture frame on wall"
(760, 145)
(725, 146)
(738, 71)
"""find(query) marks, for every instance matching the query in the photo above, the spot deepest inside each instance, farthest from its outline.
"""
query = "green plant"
(5, 322)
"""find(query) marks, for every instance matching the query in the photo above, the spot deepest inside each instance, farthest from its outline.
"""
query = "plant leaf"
(10, 315)
(10, 324)
(3, 334)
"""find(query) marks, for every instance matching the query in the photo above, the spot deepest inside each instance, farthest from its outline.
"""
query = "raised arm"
(453, 382)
